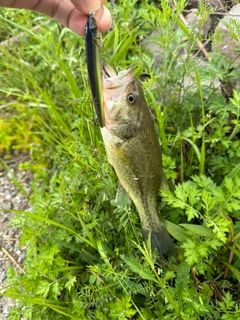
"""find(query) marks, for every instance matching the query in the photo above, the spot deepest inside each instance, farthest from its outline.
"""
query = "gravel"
(11, 198)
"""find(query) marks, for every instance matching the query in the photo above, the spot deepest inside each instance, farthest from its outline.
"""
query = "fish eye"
(132, 98)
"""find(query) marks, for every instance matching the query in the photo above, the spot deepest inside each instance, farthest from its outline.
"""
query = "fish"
(133, 150)
(94, 64)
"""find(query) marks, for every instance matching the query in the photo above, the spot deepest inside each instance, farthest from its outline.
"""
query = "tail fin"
(161, 241)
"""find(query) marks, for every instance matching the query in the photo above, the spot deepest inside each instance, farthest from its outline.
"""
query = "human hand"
(71, 13)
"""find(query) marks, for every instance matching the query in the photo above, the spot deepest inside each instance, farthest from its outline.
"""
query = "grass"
(85, 257)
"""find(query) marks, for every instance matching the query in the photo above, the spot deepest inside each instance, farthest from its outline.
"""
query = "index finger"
(87, 6)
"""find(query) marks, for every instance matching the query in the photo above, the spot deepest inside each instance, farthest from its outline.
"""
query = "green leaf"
(122, 309)
(236, 237)
(204, 182)
(236, 251)
(70, 283)
(169, 275)
(215, 244)
(92, 278)
(198, 229)
(183, 27)
(100, 316)
(198, 154)
(123, 46)
(46, 220)
(55, 289)
(234, 271)
(43, 288)
(220, 227)
(232, 174)
(194, 252)
(71, 80)
(227, 302)
(176, 231)
(135, 266)
(181, 282)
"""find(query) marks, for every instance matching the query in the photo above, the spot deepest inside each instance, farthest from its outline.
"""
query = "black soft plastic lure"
(93, 52)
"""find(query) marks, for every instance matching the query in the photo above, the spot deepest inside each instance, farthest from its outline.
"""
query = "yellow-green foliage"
(16, 131)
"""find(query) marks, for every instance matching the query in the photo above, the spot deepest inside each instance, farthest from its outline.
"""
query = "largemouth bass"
(133, 150)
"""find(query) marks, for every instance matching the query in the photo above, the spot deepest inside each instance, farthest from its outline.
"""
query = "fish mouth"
(114, 88)
(108, 71)
(111, 79)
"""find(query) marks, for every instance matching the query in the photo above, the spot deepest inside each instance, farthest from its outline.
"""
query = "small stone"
(227, 46)
(193, 3)
(10, 174)
(6, 205)
(3, 276)
(8, 196)
(217, 4)
(154, 49)
(192, 20)
(22, 256)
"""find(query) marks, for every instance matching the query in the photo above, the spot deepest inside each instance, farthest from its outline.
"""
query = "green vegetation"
(85, 257)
